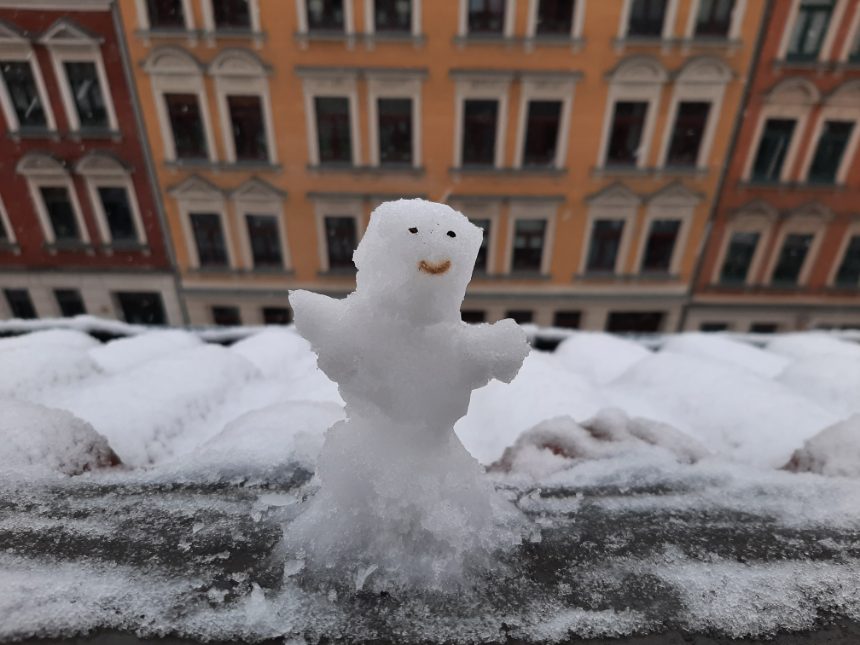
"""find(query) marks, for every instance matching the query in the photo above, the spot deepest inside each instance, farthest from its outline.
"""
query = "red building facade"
(784, 248)
(80, 225)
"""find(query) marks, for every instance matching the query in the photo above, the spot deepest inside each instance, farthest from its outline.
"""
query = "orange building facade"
(784, 253)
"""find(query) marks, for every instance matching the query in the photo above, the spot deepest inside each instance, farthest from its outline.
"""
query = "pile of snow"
(835, 451)
(721, 348)
(599, 358)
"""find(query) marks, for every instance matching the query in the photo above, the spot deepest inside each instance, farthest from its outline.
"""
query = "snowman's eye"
(452, 234)
(413, 230)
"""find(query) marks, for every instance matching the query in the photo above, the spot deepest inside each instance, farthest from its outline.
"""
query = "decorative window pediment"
(810, 212)
(196, 188)
(102, 164)
(705, 69)
(675, 194)
(41, 164)
(755, 212)
(172, 60)
(794, 91)
(615, 195)
(257, 190)
(639, 70)
(846, 95)
(11, 35)
(68, 33)
(238, 62)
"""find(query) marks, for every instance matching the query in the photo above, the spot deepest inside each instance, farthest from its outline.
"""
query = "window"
(61, 213)
(325, 15)
(186, 123)
(628, 124)
(341, 240)
(646, 18)
(542, 128)
(690, 122)
(529, 237)
(226, 316)
(4, 234)
(20, 303)
(772, 149)
(87, 94)
(482, 260)
(848, 274)
(520, 316)
(794, 250)
(249, 130)
(333, 129)
(70, 302)
(829, 152)
(277, 316)
(714, 18)
(634, 322)
(117, 209)
(711, 327)
(605, 245)
(479, 132)
(392, 16)
(554, 17)
(486, 16)
(265, 240)
(567, 319)
(473, 316)
(395, 131)
(764, 328)
(660, 245)
(739, 257)
(141, 307)
(166, 14)
(209, 238)
(24, 94)
(231, 14)
(810, 28)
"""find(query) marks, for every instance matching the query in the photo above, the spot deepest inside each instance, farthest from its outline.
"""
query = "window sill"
(643, 41)
(802, 63)
(397, 169)
(331, 36)
(95, 133)
(517, 172)
(394, 37)
(169, 32)
(10, 247)
(635, 171)
(273, 271)
(69, 246)
(205, 164)
(485, 39)
(515, 274)
(34, 133)
(125, 247)
(554, 40)
(610, 276)
(235, 33)
(219, 270)
(338, 272)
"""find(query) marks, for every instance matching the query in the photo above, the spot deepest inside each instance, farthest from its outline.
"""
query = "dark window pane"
(544, 118)
(791, 257)
(828, 154)
(713, 326)
(646, 18)
(226, 316)
(810, 28)
(231, 14)
(628, 124)
(714, 18)
(277, 316)
(473, 316)
(395, 131)
(166, 14)
(660, 245)
(186, 123)
(87, 94)
(849, 270)
(529, 237)
(209, 237)
(764, 328)
(142, 307)
(739, 256)
(20, 303)
(393, 15)
(70, 302)
(690, 122)
(117, 210)
(325, 15)
(249, 130)
(265, 240)
(4, 234)
(567, 319)
(61, 213)
(772, 149)
(634, 322)
(554, 17)
(341, 240)
(333, 129)
(479, 132)
(481, 260)
(521, 316)
(486, 16)
(605, 243)
(21, 86)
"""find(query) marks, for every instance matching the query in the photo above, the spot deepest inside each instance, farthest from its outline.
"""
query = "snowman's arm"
(498, 349)
(317, 317)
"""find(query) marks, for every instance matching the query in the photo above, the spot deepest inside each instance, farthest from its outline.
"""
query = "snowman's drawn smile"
(434, 269)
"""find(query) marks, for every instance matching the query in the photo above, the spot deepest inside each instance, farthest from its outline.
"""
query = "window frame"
(100, 171)
(674, 202)
(256, 197)
(806, 220)
(143, 17)
(41, 171)
(303, 23)
(735, 27)
(336, 207)
(211, 28)
(481, 87)
(530, 210)
(370, 21)
(507, 28)
(11, 241)
(618, 202)
(758, 218)
(25, 54)
(771, 110)
(196, 195)
(829, 37)
(669, 19)
(387, 86)
(576, 27)
(488, 210)
(852, 230)
(336, 85)
(833, 113)
(545, 89)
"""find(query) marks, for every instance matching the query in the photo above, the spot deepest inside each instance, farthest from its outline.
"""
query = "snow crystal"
(835, 451)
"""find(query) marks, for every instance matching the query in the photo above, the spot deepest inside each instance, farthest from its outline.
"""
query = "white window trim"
(35, 183)
(510, 19)
(852, 36)
(668, 20)
(394, 87)
(800, 113)
(7, 225)
(657, 211)
(209, 15)
(181, 84)
(536, 89)
(745, 223)
(622, 93)
(215, 205)
(734, 28)
(851, 231)
(331, 207)
(348, 17)
(829, 37)
(489, 211)
(481, 89)
(95, 182)
(23, 53)
(801, 225)
(626, 213)
(831, 113)
(370, 17)
(339, 86)
(61, 54)
(705, 92)
(577, 24)
(243, 207)
(230, 86)
(520, 210)
(143, 15)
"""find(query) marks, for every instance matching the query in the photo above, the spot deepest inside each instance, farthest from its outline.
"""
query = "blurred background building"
(637, 165)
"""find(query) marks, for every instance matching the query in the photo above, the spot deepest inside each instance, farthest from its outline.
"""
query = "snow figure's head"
(416, 259)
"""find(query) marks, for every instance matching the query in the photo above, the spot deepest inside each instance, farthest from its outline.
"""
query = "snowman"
(401, 501)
